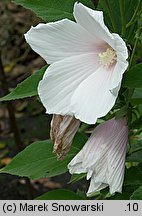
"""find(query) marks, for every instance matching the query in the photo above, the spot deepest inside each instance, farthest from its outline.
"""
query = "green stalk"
(134, 15)
(111, 15)
(133, 52)
(131, 90)
(123, 17)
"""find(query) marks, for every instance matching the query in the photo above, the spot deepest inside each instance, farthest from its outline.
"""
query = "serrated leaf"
(59, 194)
(137, 194)
(37, 160)
(27, 88)
(133, 77)
(52, 10)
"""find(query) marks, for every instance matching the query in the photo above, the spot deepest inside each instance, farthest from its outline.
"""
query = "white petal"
(93, 98)
(93, 22)
(122, 64)
(120, 47)
(117, 73)
(58, 40)
(75, 166)
(103, 156)
(110, 170)
(95, 186)
(62, 78)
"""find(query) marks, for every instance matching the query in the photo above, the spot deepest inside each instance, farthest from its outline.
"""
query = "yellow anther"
(108, 57)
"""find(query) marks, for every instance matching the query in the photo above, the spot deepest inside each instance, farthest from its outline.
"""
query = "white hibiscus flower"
(87, 64)
(103, 156)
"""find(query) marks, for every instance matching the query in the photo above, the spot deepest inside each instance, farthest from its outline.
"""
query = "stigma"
(108, 57)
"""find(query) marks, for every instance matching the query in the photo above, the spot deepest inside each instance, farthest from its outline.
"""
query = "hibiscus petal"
(117, 73)
(93, 98)
(62, 78)
(109, 169)
(122, 64)
(120, 47)
(59, 40)
(103, 156)
(93, 22)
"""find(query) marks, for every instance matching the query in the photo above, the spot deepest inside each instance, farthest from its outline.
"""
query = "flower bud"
(63, 130)
(103, 156)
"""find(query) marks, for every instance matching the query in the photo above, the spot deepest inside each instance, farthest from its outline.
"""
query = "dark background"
(22, 121)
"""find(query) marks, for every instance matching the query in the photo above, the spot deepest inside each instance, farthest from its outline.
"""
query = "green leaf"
(27, 88)
(137, 194)
(59, 194)
(137, 123)
(114, 6)
(52, 10)
(121, 112)
(135, 152)
(37, 160)
(77, 177)
(137, 97)
(133, 77)
(115, 13)
(126, 193)
(133, 176)
(136, 156)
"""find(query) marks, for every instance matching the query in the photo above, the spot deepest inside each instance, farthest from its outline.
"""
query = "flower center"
(108, 57)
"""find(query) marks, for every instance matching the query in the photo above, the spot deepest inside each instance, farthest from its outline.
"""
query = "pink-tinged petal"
(93, 22)
(113, 173)
(61, 80)
(93, 97)
(103, 156)
(59, 40)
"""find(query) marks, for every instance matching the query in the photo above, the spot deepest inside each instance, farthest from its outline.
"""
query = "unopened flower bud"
(63, 130)
(103, 156)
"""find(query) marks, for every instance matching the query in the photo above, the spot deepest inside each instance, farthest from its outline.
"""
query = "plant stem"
(13, 123)
(111, 15)
(123, 17)
(133, 52)
(134, 15)
(29, 189)
(10, 108)
(131, 90)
